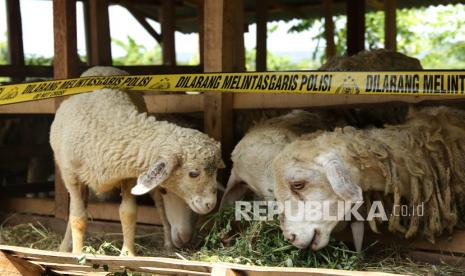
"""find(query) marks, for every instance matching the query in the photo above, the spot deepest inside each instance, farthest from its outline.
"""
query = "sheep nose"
(184, 237)
(291, 237)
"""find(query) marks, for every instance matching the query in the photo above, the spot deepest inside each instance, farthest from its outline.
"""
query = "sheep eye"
(194, 174)
(297, 185)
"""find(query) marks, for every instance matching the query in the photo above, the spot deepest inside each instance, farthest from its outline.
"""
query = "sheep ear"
(235, 189)
(157, 173)
(339, 178)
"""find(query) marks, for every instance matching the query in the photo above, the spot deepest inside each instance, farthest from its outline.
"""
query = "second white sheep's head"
(308, 177)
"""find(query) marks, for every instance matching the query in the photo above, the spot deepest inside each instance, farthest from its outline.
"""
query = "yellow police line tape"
(443, 83)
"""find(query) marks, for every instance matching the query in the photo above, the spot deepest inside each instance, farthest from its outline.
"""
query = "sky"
(38, 32)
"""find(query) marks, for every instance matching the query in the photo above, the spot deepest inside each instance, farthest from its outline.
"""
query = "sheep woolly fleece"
(421, 161)
(102, 138)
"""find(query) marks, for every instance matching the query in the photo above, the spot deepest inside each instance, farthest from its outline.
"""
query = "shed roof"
(187, 13)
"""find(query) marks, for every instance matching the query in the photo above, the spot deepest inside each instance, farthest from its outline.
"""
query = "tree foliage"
(137, 54)
(435, 35)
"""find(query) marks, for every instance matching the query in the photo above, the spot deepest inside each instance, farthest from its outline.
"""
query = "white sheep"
(102, 140)
(420, 162)
(253, 154)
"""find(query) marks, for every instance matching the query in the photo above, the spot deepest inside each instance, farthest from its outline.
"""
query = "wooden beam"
(99, 27)
(14, 266)
(390, 27)
(201, 18)
(261, 13)
(97, 210)
(143, 22)
(167, 22)
(287, 8)
(329, 28)
(39, 71)
(355, 26)
(65, 66)
(15, 35)
(223, 28)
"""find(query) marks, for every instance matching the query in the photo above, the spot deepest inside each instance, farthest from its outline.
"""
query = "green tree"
(137, 54)
(434, 34)
(3, 53)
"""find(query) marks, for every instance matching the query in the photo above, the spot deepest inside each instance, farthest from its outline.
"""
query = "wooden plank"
(437, 258)
(110, 211)
(448, 243)
(14, 266)
(390, 27)
(38, 206)
(167, 22)
(99, 27)
(93, 226)
(355, 26)
(173, 103)
(15, 35)
(23, 189)
(329, 28)
(261, 14)
(97, 210)
(65, 66)
(36, 107)
(158, 264)
(39, 71)
(24, 151)
(250, 101)
(223, 28)
(111, 261)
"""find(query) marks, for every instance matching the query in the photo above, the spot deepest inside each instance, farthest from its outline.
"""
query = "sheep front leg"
(128, 217)
(158, 199)
(77, 213)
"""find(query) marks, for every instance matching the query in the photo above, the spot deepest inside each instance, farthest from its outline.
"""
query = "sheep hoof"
(168, 246)
(126, 252)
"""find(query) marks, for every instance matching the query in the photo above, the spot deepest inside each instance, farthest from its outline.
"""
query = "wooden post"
(201, 16)
(355, 26)
(167, 32)
(99, 28)
(390, 27)
(329, 28)
(15, 35)
(224, 52)
(65, 66)
(261, 13)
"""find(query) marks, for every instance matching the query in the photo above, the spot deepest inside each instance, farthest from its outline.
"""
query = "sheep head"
(189, 170)
(311, 171)
(180, 217)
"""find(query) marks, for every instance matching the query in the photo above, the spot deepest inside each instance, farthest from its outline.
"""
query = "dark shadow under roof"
(187, 13)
